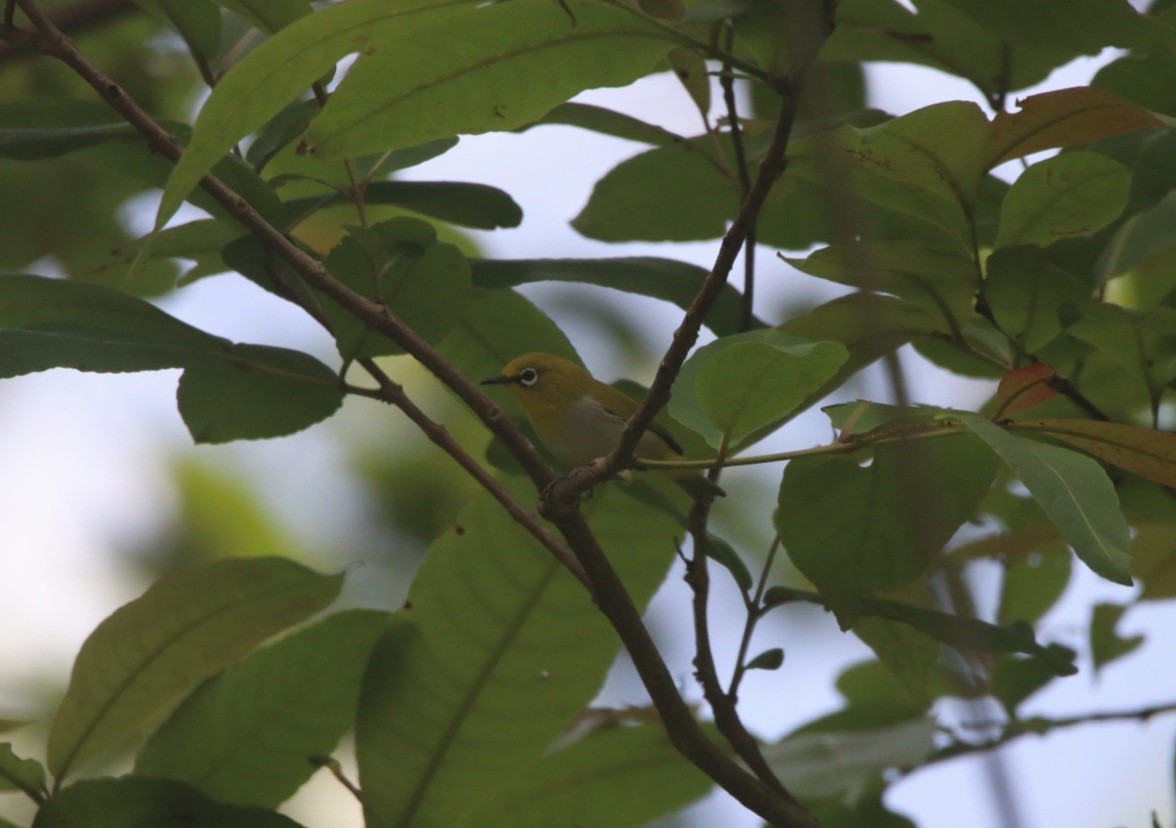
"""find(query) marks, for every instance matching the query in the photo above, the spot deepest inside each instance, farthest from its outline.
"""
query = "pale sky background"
(83, 477)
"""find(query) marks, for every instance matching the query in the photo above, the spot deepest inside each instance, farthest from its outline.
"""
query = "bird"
(578, 418)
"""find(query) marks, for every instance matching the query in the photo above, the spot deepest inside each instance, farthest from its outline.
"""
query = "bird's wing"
(623, 409)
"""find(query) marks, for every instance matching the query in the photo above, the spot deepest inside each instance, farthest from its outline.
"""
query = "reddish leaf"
(1063, 118)
(1023, 388)
(1142, 451)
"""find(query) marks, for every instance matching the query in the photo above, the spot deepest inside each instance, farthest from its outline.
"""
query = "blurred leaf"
(1144, 343)
(1068, 195)
(1073, 490)
(1033, 583)
(198, 22)
(1106, 645)
(404, 91)
(970, 634)
(771, 659)
(672, 281)
(868, 812)
(280, 131)
(943, 284)
(911, 657)
(1016, 679)
(19, 774)
(738, 384)
(492, 625)
(1023, 388)
(1142, 239)
(1145, 79)
(725, 556)
(130, 267)
(892, 517)
(50, 127)
(245, 737)
(399, 262)
(268, 15)
(132, 802)
(261, 392)
(842, 765)
(1143, 451)
(936, 33)
(1027, 294)
(1062, 118)
(612, 777)
(1152, 512)
(188, 626)
(1085, 26)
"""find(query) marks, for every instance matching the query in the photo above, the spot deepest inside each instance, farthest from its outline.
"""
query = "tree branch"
(606, 588)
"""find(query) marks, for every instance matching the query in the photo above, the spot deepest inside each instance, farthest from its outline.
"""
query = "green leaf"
(667, 279)
(186, 627)
(1027, 294)
(608, 122)
(1034, 583)
(261, 392)
(51, 127)
(132, 267)
(468, 205)
(741, 383)
(767, 660)
(426, 283)
(493, 625)
(853, 530)
(52, 323)
(17, 774)
(621, 777)
(131, 802)
(1071, 194)
(829, 764)
(245, 737)
(969, 634)
(268, 15)
(722, 553)
(1143, 343)
(1075, 493)
(520, 60)
(1106, 645)
(1085, 26)
(943, 284)
(1016, 679)
(197, 21)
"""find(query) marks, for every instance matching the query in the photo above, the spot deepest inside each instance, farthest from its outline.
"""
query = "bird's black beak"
(502, 379)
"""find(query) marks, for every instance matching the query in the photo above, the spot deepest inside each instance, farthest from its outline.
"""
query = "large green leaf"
(185, 628)
(673, 281)
(1144, 451)
(515, 62)
(613, 777)
(52, 323)
(400, 262)
(247, 736)
(892, 517)
(1027, 295)
(493, 626)
(1084, 26)
(262, 392)
(1074, 492)
(941, 283)
(1070, 194)
(132, 802)
(268, 15)
(741, 383)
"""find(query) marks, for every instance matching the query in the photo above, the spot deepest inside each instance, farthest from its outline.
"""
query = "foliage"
(1053, 282)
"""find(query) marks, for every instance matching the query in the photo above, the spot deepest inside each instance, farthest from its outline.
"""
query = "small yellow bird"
(580, 418)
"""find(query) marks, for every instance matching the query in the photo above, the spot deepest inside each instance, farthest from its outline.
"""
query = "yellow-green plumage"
(579, 418)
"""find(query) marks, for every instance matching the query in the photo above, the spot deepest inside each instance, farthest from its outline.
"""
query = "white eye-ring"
(528, 377)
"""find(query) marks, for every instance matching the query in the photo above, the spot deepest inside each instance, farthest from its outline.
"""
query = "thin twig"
(754, 614)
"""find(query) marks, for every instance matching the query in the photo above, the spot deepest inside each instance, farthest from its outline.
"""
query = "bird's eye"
(528, 377)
